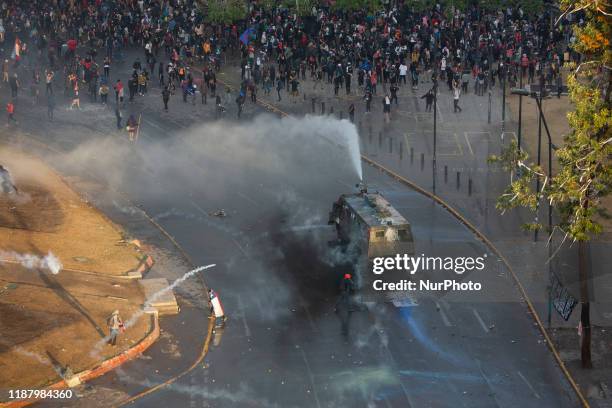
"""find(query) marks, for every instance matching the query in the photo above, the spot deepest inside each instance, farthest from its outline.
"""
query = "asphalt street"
(283, 345)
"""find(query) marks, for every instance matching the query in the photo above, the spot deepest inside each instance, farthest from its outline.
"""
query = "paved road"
(284, 345)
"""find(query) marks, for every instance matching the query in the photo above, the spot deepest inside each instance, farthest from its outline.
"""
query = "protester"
(115, 326)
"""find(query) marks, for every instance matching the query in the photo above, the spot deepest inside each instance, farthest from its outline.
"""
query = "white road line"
(249, 199)
(482, 323)
(247, 331)
(310, 319)
(311, 376)
(443, 315)
(198, 208)
(529, 385)
(469, 145)
(438, 108)
(240, 247)
(155, 125)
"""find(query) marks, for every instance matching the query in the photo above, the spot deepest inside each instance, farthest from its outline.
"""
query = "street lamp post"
(435, 127)
(520, 118)
(504, 74)
(542, 121)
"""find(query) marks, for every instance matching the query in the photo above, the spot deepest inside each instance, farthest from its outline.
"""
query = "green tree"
(370, 6)
(585, 173)
(225, 11)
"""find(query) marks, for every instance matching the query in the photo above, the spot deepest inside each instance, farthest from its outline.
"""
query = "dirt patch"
(47, 215)
(32, 208)
(52, 321)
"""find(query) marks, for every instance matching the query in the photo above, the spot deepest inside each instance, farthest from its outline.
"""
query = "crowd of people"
(74, 46)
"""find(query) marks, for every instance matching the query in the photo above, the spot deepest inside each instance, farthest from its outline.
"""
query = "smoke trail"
(132, 320)
(31, 261)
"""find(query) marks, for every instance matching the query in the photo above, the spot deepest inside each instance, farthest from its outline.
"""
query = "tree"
(585, 173)
(225, 11)
(369, 6)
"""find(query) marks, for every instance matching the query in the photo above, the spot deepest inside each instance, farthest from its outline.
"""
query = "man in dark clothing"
(166, 97)
(429, 97)
(368, 100)
(352, 112)
(394, 88)
(118, 116)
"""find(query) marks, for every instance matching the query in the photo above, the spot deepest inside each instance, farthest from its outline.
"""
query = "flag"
(16, 50)
(245, 37)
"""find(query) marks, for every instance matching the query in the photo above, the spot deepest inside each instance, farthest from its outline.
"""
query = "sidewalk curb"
(488, 243)
(103, 368)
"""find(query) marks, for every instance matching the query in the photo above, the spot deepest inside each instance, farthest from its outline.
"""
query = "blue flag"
(245, 37)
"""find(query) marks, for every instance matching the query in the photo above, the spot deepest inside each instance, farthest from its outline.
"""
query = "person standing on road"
(49, 82)
(104, 93)
(429, 98)
(119, 92)
(351, 110)
(14, 83)
(118, 117)
(456, 94)
(106, 67)
(387, 108)
(393, 88)
(50, 106)
(279, 86)
(115, 326)
(368, 100)
(166, 97)
(10, 111)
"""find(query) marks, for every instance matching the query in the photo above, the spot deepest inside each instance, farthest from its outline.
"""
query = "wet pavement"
(283, 344)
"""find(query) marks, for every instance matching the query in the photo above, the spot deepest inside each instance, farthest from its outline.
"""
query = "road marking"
(247, 330)
(467, 141)
(440, 118)
(311, 377)
(484, 376)
(304, 305)
(155, 125)
(238, 193)
(443, 315)
(529, 385)
(482, 323)
(241, 248)
(198, 208)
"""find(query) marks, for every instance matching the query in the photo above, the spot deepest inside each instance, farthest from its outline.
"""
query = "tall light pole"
(435, 127)
(542, 121)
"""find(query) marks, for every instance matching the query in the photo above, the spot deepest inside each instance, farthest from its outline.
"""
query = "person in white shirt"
(456, 94)
(403, 70)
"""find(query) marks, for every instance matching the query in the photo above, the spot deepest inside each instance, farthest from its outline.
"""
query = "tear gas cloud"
(31, 261)
(220, 163)
(263, 152)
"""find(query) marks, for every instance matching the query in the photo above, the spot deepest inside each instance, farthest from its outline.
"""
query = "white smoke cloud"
(31, 261)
